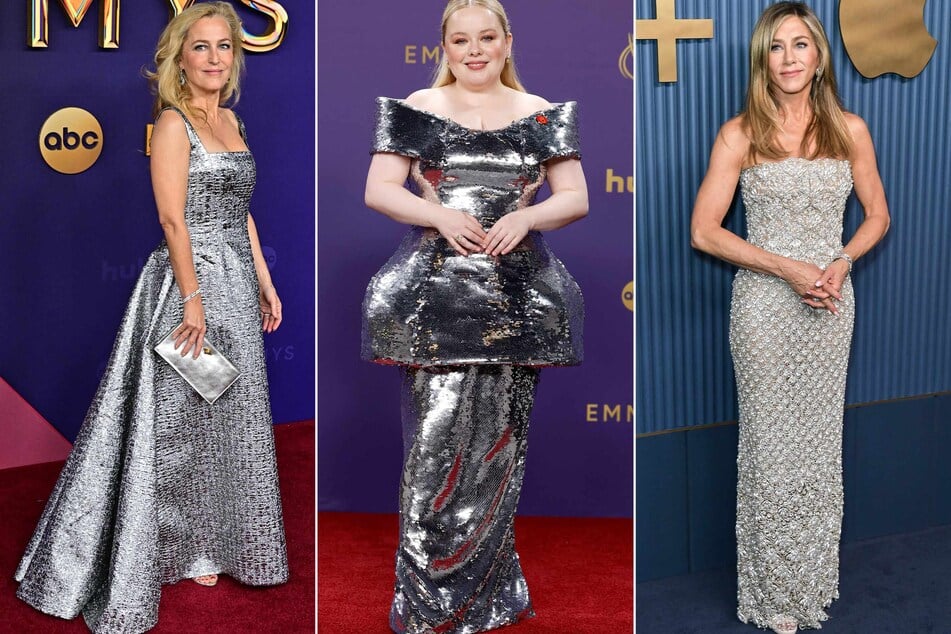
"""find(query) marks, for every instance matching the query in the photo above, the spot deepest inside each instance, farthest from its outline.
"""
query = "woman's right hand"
(461, 229)
(802, 277)
(191, 332)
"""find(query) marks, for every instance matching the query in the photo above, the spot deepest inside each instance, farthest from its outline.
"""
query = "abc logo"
(627, 296)
(270, 257)
(71, 140)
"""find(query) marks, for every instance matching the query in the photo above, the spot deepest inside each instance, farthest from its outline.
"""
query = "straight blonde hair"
(168, 89)
(827, 135)
(443, 76)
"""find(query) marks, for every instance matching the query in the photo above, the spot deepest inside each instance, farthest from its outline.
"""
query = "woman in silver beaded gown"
(796, 155)
(160, 485)
(470, 306)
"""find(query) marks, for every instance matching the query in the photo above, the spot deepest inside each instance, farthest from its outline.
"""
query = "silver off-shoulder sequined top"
(430, 306)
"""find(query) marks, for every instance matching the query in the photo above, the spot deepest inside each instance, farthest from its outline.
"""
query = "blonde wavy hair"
(164, 79)
(443, 76)
(828, 133)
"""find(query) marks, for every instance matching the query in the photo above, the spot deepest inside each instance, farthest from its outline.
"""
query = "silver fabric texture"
(160, 485)
(429, 305)
(790, 362)
(464, 432)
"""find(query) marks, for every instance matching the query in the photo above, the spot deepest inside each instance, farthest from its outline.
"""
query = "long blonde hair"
(168, 89)
(443, 76)
(828, 133)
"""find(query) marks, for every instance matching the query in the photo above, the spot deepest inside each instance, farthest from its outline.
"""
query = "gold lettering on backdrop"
(148, 139)
(617, 184)
(625, 62)
(609, 413)
(411, 54)
(75, 10)
(271, 38)
(666, 29)
(886, 36)
(109, 21)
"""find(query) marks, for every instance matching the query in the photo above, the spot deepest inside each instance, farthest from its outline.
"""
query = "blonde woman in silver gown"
(471, 305)
(796, 155)
(160, 485)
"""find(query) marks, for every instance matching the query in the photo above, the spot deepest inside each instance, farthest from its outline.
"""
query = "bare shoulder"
(733, 139)
(530, 103)
(229, 114)
(857, 127)
(168, 134)
(427, 98)
(169, 122)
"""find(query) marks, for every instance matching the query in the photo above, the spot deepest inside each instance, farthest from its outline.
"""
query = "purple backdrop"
(72, 246)
(581, 442)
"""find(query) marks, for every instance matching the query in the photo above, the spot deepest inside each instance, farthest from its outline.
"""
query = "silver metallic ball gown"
(470, 334)
(790, 362)
(160, 485)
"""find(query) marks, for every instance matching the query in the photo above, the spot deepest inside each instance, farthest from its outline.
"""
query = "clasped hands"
(467, 236)
(819, 288)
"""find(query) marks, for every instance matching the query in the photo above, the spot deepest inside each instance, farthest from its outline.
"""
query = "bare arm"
(270, 303)
(169, 169)
(568, 202)
(385, 193)
(713, 201)
(871, 195)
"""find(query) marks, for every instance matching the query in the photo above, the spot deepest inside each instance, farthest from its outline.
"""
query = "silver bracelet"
(842, 255)
(195, 293)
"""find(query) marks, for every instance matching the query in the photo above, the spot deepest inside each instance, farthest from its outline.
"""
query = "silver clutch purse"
(211, 374)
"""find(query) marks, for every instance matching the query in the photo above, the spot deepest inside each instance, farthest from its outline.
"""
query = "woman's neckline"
(201, 143)
(455, 123)
(795, 158)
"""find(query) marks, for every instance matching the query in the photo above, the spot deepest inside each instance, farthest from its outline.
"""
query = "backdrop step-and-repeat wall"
(898, 401)
(581, 439)
(72, 245)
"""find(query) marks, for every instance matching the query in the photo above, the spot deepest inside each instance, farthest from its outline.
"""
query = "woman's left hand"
(831, 281)
(270, 309)
(507, 233)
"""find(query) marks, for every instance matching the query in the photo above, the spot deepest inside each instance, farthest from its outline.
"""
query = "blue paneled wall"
(897, 425)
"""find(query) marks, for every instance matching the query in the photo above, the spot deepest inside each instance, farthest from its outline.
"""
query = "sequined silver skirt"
(465, 433)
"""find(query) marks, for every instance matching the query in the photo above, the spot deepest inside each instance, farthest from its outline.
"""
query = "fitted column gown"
(790, 362)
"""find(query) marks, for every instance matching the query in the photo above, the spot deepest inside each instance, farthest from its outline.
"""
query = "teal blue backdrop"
(897, 422)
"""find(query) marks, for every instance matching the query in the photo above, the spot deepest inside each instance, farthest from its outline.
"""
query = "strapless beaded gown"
(160, 485)
(790, 362)
(470, 334)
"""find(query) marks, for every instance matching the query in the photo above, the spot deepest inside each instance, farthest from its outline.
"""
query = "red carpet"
(228, 608)
(579, 573)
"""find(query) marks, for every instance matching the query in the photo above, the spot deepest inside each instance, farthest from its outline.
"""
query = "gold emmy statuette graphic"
(886, 36)
(627, 295)
(71, 140)
(666, 29)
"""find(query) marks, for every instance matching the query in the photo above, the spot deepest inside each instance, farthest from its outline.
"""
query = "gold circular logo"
(71, 140)
(627, 295)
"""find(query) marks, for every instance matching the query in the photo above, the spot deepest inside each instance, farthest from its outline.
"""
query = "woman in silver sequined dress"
(160, 485)
(471, 305)
(796, 155)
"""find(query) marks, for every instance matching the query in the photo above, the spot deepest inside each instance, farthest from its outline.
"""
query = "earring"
(819, 73)
(181, 76)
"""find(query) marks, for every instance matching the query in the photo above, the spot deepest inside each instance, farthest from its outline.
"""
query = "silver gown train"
(790, 362)
(470, 333)
(160, 485)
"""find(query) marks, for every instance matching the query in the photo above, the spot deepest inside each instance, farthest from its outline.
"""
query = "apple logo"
(886, 36)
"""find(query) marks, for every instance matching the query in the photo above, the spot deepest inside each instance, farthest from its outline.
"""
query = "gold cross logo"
(666, 29)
